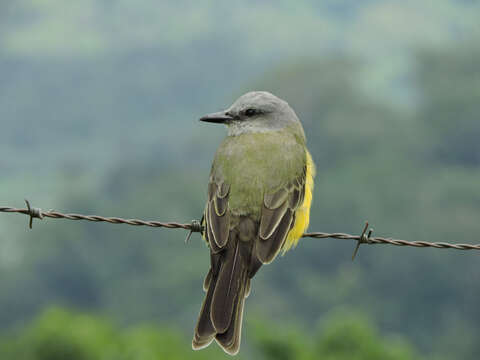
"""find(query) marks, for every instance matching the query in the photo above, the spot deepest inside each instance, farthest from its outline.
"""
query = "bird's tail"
(227, 285)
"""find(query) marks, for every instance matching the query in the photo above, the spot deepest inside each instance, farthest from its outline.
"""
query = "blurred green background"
(99, 102)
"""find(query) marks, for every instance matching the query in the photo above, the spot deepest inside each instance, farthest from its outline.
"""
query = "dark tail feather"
(230, 339)
(228, 284)
(204, 331)
(222, 310)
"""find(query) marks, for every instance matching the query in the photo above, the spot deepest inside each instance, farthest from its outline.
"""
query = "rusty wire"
(195, 226)
(39, 214)
(391, 241)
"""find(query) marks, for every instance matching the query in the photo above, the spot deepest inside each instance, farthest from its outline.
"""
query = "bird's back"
(253, 164)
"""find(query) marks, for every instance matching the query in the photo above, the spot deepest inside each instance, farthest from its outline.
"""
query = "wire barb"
(363, 239)
(33, 213)
(196, 226)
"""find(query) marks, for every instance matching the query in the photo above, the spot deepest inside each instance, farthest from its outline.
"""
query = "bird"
(258, 206)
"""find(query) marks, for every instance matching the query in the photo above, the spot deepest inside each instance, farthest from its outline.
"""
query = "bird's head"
(255, 112)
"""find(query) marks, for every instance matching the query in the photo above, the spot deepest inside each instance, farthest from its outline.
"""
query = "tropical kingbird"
(259, 197)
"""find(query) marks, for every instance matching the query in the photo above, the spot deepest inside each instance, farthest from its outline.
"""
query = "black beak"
(218, 118)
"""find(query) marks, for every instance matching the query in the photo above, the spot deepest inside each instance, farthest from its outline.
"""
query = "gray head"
(254, 112)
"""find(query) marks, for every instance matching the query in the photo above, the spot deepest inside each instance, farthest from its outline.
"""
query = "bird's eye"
(250, 112)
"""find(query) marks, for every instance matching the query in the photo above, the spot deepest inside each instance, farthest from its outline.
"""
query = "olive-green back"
(255, 163)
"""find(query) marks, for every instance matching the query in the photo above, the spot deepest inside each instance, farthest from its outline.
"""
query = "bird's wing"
(278, 217)
(217, 215)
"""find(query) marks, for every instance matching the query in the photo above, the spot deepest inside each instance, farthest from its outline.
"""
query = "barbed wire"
(196, 226)
(36, 213)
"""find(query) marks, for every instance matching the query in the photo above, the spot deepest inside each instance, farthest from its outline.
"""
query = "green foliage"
(281, 342)
(343, 335)
(349, 336)
(58, 334)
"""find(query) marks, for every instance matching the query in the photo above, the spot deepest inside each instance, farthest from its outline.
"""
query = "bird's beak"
(220, 117)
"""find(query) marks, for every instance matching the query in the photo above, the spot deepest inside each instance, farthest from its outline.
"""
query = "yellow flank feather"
(302, 215)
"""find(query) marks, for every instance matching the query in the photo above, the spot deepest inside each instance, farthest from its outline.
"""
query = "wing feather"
(275, 199)
(270, 219)
(218, 218)
(268, 250)
(278, 217)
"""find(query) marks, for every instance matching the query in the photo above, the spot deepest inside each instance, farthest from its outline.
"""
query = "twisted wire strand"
(390, 241)
(96, 218)
(195, 226)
